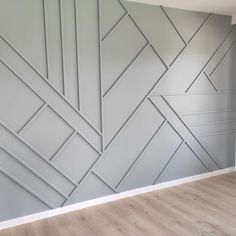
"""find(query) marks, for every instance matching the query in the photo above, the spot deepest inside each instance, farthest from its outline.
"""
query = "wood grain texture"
(205, 207)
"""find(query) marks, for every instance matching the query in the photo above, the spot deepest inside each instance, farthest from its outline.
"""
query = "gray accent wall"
(103, 96)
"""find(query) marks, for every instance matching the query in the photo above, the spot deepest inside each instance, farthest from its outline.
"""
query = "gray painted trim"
(167, 164)
(105, 182)
(190, 131)
(32, 170)
(127, 68)
(25, 187)
(100, 75)
(45, 38)
(44, 101)
(203, 23)
(23, 141)
(47, 82)
(53, 158)
(231, 47)
(136, 161)
(32, 118)
(118, 23)
(77, 51)
(136, 109)
(209, 60)
(172, 23)
(210, 80)
(62, 56)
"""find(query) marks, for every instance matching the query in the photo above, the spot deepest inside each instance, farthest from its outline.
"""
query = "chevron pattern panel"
(103, 96)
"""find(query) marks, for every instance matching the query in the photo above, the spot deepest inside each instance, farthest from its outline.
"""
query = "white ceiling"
(225, 7)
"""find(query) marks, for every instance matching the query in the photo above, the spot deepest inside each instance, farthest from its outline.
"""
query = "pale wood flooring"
(206, 207)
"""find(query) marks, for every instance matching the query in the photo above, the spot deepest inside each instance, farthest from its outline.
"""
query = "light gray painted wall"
(101, 96)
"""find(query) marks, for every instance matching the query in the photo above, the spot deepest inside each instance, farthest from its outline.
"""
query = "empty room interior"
(117, 118)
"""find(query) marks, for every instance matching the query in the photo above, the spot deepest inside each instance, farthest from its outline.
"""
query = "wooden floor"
(206, 207)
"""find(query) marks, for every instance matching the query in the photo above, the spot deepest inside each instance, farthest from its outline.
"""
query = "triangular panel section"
(112, 12)
(221, 146)
(185, 163)
(202, 85)
(187, 22)
(22, 25)
(93, 187)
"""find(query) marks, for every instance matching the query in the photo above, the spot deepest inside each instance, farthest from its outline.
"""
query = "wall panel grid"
(103, 96)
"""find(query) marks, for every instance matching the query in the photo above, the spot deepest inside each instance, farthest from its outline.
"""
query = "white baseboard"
(110, 198)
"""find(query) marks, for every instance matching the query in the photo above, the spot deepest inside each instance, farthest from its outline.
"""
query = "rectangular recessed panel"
(9, 164)
(35, 162)
(137, 133)
(47, 132)
(17, 102)
(153, 159)
(76, 158)
(126, 95)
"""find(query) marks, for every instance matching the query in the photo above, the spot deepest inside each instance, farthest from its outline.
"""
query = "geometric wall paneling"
(224, 74)
(183, 164)
(103, 96)
(38, 187)
(112, 12)
(221, 52)
(25, 21)
(119, 49)
(21, 150)
(221, 145)
(47, 124)
(119, 104)
(24, 204)
(15, 112)
(92, 187)
(202, 85)
(187, 67)
(171, 115)
(76, 157)
(187, 22)
(163, 36)
(89, 60)
(130, 143)
(24, 71)
(153, 160)
(53, 43)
